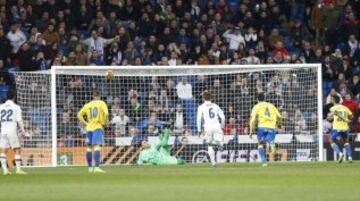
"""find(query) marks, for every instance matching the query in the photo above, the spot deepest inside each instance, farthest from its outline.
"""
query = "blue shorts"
(95, 137)
(266, 135)
(343, 134)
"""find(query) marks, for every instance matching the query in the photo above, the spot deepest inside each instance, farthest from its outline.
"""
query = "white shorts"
(214, 135)
(9, 141)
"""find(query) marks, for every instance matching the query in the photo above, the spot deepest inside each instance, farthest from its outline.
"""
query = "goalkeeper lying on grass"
(158, 153)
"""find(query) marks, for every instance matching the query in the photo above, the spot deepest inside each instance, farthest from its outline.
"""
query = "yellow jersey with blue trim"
(94, 115)
(341, 116)
(265, 114)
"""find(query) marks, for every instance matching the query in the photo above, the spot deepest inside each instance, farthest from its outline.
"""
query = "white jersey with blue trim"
(210, 115)
(10, 118)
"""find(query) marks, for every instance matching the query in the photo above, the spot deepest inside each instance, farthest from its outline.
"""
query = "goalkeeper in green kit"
(158, 153)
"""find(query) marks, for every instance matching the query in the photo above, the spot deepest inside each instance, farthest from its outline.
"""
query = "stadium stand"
(34, 35)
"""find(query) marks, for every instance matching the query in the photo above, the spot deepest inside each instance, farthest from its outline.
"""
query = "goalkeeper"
(158, 153)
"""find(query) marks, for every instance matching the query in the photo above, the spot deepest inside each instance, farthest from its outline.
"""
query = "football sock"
(348, 149)
(3, 161)
(335, 148)
(17, 158)
(89, 157)
(212, 155)
(97, 156)
(262, 153)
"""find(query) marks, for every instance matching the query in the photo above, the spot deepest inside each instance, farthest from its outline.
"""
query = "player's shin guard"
(262, 153)
(89, 156)
(17, 158)
(3, 161)
(348, 149)
(97, 156)
(212, 155)
(335, 147)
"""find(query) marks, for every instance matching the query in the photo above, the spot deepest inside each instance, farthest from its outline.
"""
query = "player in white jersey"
(210, 124)
(11, 120)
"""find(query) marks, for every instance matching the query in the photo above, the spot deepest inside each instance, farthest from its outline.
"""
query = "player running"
(96, 114)
(210, 123)
(11, 119)
(267, 118)
(158, 153)
(341, 116)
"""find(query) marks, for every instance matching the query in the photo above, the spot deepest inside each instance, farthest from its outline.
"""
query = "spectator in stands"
(150, 121)
(40, 63)
(137, 137)
(5, 46)
(299, 33)
(274, 38)
(354, 85)
(300, 122)
(287, 122)
(97, 43)
(184, 89)
(4, 75)
(216, 92)
(329, 23)
(333, 92)
(252, 58)
(165, 105)
(234, 38)
(179, 120)
(16, 37)
(351, 46)
(251, 37)
(50, 36)
(280, 51)
(26, 58)
(135, 109)
(120, 122)
(308, 53)
(350, 103)
(356, 126)
(65, 129)
(231, 128)
(151, 130)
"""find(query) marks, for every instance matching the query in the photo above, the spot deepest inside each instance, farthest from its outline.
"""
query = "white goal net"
(143, 101)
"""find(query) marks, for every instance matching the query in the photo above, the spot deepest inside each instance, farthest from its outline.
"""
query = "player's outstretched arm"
(164, 139)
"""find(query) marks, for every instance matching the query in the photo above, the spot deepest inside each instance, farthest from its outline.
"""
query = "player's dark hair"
(11, 94)
(336, 98)
(261, 97)
(96, 93)
(206, 96)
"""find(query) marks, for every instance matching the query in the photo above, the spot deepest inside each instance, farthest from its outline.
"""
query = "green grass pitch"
(239, 182)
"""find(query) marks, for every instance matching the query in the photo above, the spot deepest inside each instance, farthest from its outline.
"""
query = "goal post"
(144, 100)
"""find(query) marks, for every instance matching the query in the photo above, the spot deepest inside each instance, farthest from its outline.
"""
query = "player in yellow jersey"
(94, 115)
(267, 118)
(341, 116)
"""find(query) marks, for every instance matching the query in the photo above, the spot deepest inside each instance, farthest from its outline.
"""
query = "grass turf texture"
(244, 182)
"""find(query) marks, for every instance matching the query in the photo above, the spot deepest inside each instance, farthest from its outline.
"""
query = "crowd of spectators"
(34, 35)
